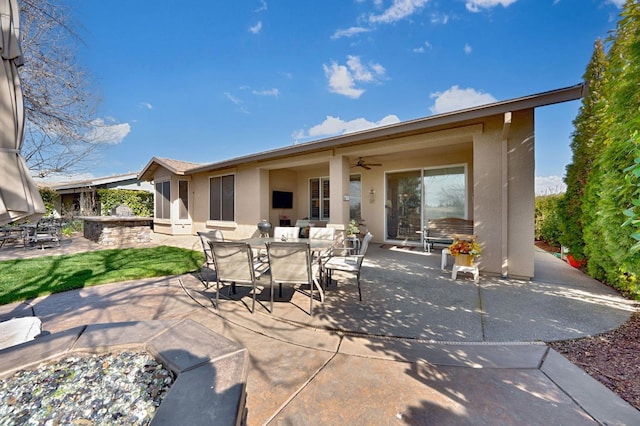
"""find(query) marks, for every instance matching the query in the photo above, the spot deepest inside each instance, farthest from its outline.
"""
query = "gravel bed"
(107, 389)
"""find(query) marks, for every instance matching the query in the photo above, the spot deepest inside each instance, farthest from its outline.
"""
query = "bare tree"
(60, 133)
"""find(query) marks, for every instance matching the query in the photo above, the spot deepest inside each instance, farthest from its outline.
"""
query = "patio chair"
(286, 232)
(234, 265)
(291, 263)
(46, 231)
(351, 263)
(205, 238)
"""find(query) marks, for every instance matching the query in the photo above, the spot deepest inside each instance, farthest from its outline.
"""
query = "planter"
(463, 259)
(575, 262)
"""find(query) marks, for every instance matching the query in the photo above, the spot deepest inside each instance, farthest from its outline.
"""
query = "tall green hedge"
(585, 146)
(611, 192)
(141, 202)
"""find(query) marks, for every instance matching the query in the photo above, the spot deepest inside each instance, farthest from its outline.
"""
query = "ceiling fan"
(364, 164)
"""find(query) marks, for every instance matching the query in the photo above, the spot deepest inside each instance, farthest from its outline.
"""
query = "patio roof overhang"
(408, 128)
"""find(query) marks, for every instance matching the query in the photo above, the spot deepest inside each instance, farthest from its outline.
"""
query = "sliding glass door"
(404, 192)
(415, 196)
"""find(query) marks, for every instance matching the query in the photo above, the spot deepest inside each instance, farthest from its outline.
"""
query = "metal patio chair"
(234, 264)
(351, 263)
(205, 238)
(292, 263)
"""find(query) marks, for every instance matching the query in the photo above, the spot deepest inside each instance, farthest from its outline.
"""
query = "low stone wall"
(114, 231)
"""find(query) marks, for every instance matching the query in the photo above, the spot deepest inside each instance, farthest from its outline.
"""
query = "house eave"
(407, 128)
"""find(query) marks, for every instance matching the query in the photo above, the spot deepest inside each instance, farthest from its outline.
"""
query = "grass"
(28, 278)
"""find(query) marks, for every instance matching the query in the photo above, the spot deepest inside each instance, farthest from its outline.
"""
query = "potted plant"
(353, 229)
(464, 251)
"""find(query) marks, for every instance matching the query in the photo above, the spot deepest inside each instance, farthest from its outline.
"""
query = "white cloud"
(146, 105)
(343, 78)
(108, 134)
(546, 185)
(400, 9)
(236, 101)
(454, 99)
(332, 126)
(476, 5)
(268, 92)
(263, 6)
(256, 28)
(422, 48)
(617, 3)
(467, 48)
(439, 19)
(349, 32)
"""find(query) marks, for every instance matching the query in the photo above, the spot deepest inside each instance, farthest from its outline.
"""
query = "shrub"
(140, 202)
(547, 219)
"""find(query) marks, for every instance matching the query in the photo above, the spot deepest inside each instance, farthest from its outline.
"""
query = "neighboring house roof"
(100, 182)
(405, 128)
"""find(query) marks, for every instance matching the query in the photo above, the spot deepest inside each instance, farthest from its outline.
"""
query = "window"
(183, 198)
(444, 192)
(355, 198)
(222, 198)
(319, 199)
(163, 200)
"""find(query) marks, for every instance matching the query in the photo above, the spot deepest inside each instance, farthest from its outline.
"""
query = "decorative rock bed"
(210, 370)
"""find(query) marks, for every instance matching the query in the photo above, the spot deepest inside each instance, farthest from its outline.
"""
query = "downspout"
(505, 196)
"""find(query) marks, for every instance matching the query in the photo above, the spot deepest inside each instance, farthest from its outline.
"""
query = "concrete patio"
(419, 349)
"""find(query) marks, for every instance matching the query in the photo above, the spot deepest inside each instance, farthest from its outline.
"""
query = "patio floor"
(420, 348)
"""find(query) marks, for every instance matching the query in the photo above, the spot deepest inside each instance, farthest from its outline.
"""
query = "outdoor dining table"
(317, 247)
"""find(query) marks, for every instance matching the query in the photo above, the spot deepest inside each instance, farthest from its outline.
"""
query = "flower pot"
(463, 259)
(575, 262)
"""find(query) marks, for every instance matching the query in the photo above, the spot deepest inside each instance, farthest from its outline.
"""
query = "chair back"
(322, 233)
(288, 232)
(290, 262)
(364, 246)
(205, 237)
(234, 261)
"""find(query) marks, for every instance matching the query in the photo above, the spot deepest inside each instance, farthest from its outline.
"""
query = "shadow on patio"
(407, 295)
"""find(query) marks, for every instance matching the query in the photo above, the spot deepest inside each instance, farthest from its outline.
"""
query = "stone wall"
(116, 232)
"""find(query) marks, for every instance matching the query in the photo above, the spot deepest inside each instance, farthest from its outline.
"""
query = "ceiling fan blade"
(365, 166)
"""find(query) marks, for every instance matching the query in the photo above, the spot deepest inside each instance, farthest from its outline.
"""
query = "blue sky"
(204, 81)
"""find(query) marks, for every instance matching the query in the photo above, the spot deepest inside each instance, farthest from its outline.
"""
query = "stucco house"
(476, 163)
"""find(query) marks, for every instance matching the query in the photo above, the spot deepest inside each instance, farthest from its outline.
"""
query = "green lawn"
(28, 278)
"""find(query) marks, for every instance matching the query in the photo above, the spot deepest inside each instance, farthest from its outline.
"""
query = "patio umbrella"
(19, 196)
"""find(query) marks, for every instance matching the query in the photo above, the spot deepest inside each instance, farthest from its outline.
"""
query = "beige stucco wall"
(504, 195)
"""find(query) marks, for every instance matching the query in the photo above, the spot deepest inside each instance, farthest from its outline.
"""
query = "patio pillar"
(253, 204)
(503, 204)
(339, 187)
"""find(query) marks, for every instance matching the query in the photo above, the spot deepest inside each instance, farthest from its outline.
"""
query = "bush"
(140, 202)
(547, 219)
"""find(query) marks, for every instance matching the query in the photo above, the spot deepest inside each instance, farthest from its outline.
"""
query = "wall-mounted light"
(372, 196)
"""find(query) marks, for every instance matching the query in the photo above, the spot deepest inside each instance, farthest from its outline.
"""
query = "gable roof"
(176, 167)
(405, 128)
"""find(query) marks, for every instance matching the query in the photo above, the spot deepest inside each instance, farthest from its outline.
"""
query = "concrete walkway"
(420, 349)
